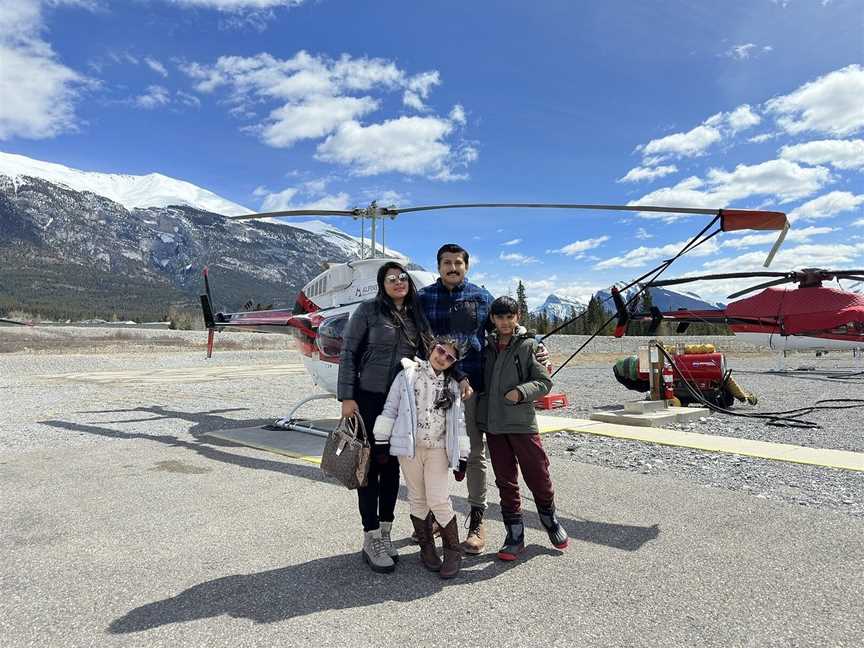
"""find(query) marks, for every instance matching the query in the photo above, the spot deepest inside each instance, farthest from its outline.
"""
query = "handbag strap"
(353, 426)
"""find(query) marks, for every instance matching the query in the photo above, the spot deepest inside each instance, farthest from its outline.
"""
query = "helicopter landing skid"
(316, 427)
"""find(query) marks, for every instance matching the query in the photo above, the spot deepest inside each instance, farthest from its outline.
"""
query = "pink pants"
(427, 476)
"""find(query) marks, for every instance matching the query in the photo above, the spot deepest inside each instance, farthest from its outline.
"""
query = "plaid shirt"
(461, 314)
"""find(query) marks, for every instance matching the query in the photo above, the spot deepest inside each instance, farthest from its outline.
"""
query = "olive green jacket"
(516, 367)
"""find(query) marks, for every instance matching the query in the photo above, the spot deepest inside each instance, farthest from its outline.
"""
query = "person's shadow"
(329, 583)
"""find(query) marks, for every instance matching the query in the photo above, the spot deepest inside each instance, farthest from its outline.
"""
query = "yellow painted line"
(825, 457)
(179, 375)
(266, 446)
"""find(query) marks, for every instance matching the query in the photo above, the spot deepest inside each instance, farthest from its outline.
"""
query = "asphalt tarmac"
(123, 525)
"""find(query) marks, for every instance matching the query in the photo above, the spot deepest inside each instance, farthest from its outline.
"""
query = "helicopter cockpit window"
(329, 338)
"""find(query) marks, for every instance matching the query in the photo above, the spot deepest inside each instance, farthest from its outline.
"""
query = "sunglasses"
(447, 355)
(392, 279)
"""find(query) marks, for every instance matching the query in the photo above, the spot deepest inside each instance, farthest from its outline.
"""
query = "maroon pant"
(509, 453)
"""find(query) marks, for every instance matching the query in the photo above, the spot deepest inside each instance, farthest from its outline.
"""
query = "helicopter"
(324, 305)
(808, 316)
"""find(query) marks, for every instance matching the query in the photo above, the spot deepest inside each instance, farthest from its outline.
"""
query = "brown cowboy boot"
(428, 555)
(475, 541)
(436, 532)
(452, 550)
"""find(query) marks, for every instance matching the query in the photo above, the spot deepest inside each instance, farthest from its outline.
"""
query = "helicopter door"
(329, 338)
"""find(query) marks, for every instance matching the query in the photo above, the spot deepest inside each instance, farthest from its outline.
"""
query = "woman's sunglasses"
(392, 278)
(449, 357)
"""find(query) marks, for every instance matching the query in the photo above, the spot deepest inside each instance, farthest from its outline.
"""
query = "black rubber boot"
(557, 534)
(514, 543)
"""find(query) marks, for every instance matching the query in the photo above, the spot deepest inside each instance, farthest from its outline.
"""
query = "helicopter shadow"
(619, 536)
(315, 586)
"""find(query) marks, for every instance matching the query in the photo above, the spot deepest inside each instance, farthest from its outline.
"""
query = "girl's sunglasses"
(449, 357)
(392, 278)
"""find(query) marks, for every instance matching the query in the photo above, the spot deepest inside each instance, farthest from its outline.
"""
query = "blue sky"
(289, 103)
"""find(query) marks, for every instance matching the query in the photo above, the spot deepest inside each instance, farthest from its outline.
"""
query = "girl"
(380, 332)
(423, 423)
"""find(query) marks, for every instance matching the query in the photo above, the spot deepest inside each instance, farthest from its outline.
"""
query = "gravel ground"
(37, 403)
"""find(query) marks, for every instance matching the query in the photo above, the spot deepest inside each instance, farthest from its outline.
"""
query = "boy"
(513, 379)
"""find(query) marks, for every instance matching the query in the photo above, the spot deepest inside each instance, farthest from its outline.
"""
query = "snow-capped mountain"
(67, 253)
(157, 190)
(131, 191)
(350, 245)
(558, 309)
(665, 299)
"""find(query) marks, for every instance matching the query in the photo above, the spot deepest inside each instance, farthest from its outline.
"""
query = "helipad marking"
(296, 445)
(825, 457)
(178, 375)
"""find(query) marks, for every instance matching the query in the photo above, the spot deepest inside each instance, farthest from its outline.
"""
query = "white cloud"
(742, 117)
(831, 104)
(515, 241)
(284, 200)
(745, 51)
(156, 66)
(154, 97)
(741, 52)
(516, 258)
(318, 99)
(40, 93)
(763, 137)
(238, 5)
(842, 154)
(457, 115)
(643, 234)
(409, 145)
(859, 222)
(313, 118)
(188, 99)
(641, 256)
(693, 142)
(794, 236)
(578, 248)
(417, 90)
(801, 256)
(831, 204)
(782, 180)
(639, 173)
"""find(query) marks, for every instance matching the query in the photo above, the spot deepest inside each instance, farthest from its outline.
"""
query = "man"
(459, 309)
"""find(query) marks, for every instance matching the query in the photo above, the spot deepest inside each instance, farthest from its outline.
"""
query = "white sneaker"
(375, 554)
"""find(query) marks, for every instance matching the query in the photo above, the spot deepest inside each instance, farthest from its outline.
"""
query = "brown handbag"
(347, 453)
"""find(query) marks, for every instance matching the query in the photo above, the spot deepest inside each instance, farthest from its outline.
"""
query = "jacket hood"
(520, 334)
(408, 363)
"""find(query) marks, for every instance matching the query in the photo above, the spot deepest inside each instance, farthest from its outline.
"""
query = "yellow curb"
(825, 457)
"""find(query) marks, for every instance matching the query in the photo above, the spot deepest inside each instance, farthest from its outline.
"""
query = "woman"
(380, 333)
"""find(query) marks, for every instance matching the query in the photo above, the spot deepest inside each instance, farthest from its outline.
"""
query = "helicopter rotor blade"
(713, 277)
(767, 284)
(637, 208)
(296, 212)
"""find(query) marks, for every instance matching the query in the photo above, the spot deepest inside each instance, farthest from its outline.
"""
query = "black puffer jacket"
(373, 345)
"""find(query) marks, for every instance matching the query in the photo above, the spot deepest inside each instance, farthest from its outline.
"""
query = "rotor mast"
(374, 213)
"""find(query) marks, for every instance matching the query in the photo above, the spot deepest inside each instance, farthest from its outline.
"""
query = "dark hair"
(445, 399)
(452, 248)
(504, 306)
(413, 308)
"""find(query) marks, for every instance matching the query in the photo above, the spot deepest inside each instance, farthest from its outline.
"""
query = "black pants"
(377, 499)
